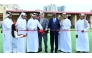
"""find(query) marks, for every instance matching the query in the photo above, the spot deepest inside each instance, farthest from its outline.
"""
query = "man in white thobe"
(60, 39)
(32, 41)
(7, 39)
(82, 40)
(21, 25)
(66, 36)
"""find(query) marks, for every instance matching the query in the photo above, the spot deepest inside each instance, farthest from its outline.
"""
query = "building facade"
(61, 8)
(45, 8)
(11, 6)
(51, 7)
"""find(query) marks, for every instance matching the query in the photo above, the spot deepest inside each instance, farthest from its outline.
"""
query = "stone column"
(91, 21)
(73, 20)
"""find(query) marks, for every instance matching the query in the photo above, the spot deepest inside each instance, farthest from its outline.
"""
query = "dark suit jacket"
(54, 26)
(44, 23)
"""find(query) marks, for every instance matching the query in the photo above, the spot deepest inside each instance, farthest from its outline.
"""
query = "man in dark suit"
(54, 27)
(44, 22)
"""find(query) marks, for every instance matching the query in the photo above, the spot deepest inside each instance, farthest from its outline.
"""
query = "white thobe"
(21, 25)
(82, 42)
(66, 36)
(32, 41)
(60, 40)
(7, 38)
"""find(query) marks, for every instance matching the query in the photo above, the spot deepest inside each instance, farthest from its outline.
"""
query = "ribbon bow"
(14, 22)
(42, 32)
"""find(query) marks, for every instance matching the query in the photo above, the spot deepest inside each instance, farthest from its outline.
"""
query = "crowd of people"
(16, 35)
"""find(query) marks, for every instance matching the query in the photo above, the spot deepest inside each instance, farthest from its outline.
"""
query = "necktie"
(54, 20)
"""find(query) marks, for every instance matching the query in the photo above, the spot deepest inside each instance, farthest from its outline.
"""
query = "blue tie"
(54, 20)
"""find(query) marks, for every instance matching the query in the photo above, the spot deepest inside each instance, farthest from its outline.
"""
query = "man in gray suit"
(44, 22)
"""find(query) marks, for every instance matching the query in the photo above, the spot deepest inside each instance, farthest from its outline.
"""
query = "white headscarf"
(24, 14)
(34, 14)
(82, 14)
(64, 14)
(85, 21)
(8, 14)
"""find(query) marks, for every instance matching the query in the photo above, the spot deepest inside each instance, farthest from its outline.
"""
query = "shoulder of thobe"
(29, 19)
(78, 21)
(24, 19)
(7, 19)
(4, 21)
(18, 20)
(69, 20)
(86, 21)
(36, 20)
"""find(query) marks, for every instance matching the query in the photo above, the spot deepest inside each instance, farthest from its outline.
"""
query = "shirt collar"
(54, 18)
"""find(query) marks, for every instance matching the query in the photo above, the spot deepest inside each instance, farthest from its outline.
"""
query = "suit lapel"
(43, 21)
(39, 20)
(55, 21)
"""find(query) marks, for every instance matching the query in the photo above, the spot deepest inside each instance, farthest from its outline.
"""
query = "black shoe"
(56, 52)
(51, 51)
(68, 52)
(77, 51)
(30, 52)
(39, 50)
(46, 51)
(64, 52)
(85, 52)
(61, 51)
(35, 52)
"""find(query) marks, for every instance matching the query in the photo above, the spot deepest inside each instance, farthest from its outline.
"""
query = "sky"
(69, 7)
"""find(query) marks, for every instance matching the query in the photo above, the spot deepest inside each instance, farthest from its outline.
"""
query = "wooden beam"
(15, 14)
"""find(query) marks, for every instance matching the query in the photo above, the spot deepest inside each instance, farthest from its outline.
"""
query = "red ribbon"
(42, 31)
(14, 22)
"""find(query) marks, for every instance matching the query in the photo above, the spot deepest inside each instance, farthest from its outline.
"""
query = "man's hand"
(82, 31)
(46, 29)
(1, 31)
(76, 36)
(27, 29)
(35, 29)
(57, 30)
(23, 36)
